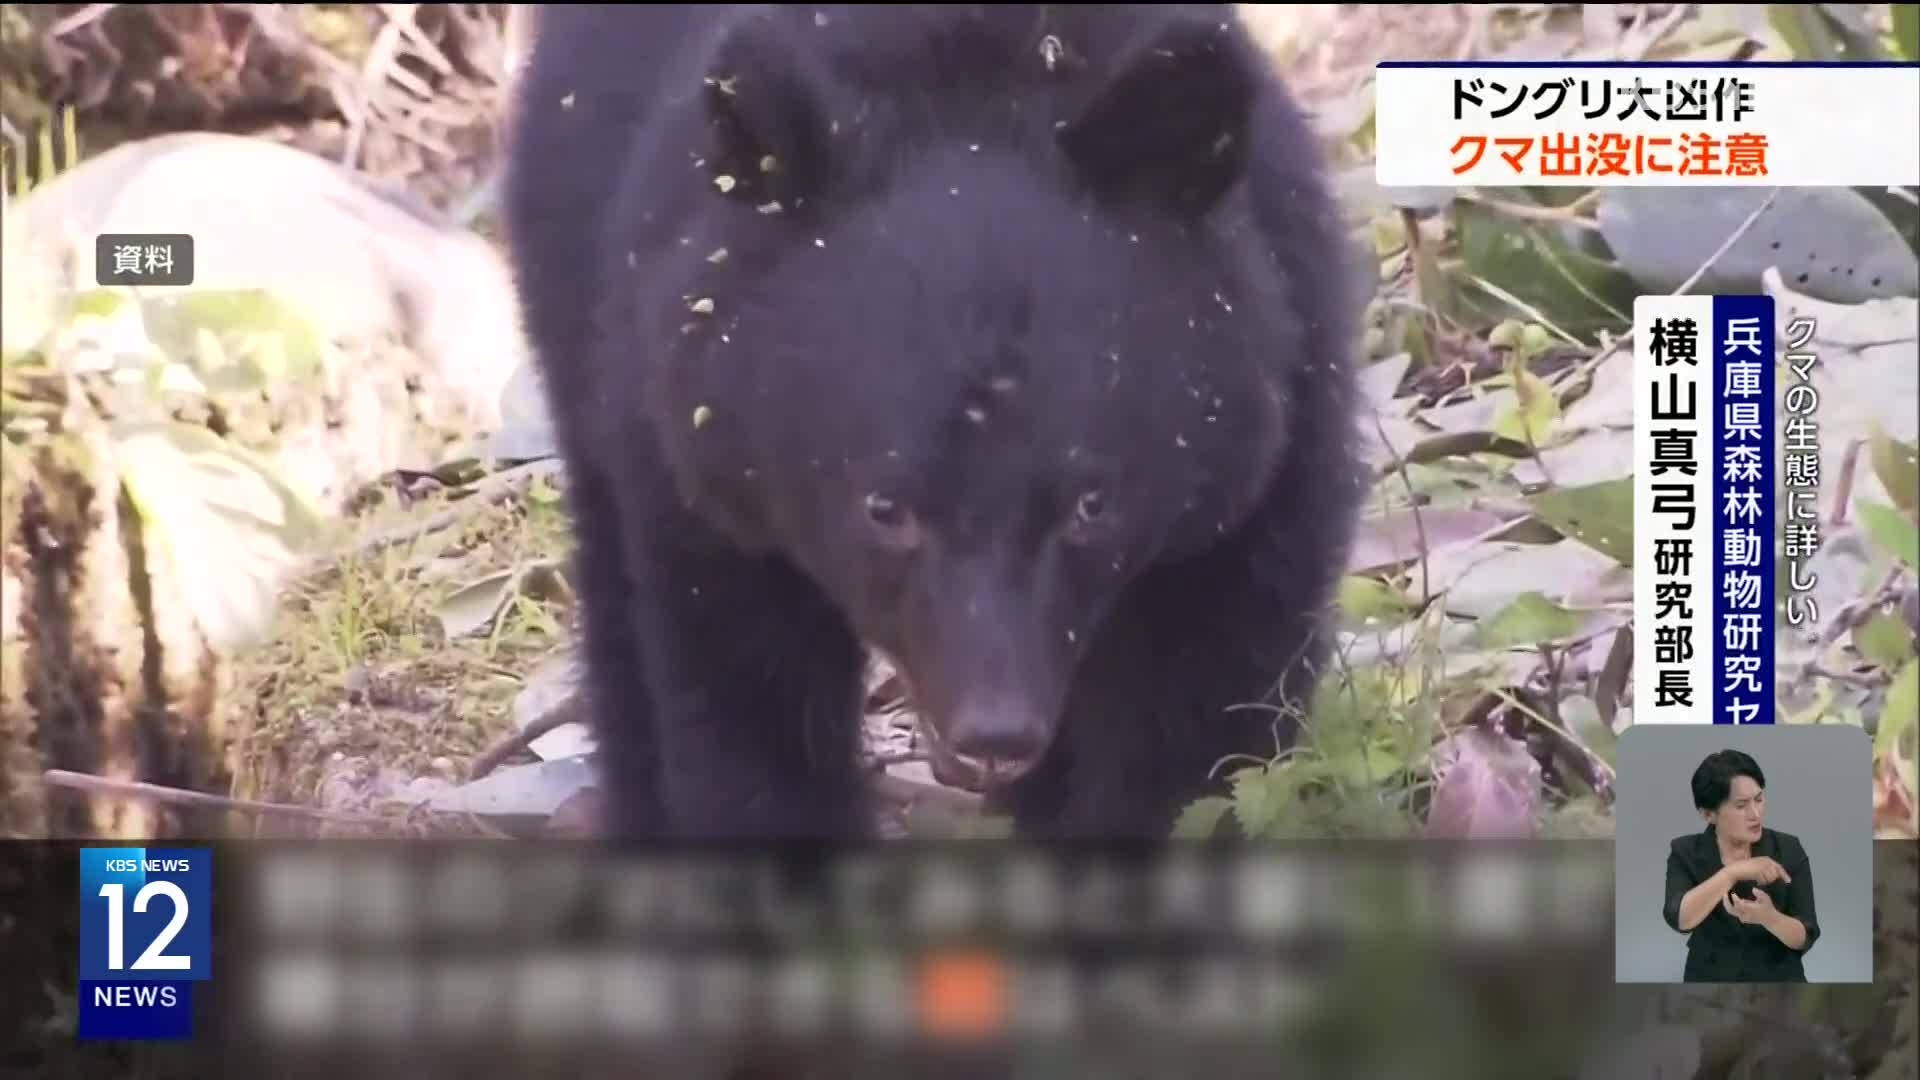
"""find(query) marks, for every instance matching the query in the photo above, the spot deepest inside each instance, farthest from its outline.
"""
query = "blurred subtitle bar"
(494, 948)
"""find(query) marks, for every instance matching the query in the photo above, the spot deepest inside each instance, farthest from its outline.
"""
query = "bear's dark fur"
(1011, 341)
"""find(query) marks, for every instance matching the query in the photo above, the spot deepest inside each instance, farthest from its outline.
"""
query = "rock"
(363, 263)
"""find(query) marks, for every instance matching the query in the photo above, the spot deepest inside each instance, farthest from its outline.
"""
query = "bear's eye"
(885, 511)
(892, 517)
(1090, 517)
(1090, 507)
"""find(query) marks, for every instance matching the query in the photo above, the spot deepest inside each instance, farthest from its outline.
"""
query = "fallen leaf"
(1598, 515)
(1386, 438)
(1897, 465)
(1901, 714)
(1831, 242)
(1475, 414)
(1885, 640)
(1479, 579)
(1390, 539)
(1381, 380)
(1892, 532)
(1528, 619)
(1487, 786)
(1609, 400)
(470, 609)
(1591, 457)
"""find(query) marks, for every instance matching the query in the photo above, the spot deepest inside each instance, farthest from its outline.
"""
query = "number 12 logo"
(167, 925)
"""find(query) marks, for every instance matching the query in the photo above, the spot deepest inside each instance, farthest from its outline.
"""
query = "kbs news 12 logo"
(145, 939)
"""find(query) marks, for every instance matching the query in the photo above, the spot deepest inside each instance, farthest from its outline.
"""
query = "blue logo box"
(146, 918)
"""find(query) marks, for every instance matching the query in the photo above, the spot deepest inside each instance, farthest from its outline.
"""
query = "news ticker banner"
(455, 945)
(1651, 123)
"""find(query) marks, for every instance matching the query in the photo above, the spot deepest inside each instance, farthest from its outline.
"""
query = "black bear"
(1013, 342)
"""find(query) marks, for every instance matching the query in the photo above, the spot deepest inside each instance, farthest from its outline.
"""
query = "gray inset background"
(1819, 788)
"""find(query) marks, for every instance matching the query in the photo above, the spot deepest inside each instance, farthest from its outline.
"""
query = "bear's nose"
(1003, 740)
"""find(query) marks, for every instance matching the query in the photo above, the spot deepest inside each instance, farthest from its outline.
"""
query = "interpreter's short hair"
(1713, 780)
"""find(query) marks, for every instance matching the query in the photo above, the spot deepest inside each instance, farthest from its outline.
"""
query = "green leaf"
(1201, 817)
(98, 303)
(1540, 267)
(1902, 709)
(1891, 531)
(228, 527)
(1362, 766)
(1370, 603)
(1806, 34)
(1906, 30)
(1897, 465)
(1527, 411)
(1530, 619)
(1256, 800)
(1884, 639)
(241, 340)
(1858, 41)
(1598, 515)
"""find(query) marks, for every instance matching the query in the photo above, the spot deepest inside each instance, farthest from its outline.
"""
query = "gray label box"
(143, 259)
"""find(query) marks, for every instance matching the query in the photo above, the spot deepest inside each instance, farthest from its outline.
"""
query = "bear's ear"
(1169, 127)
(768, 111)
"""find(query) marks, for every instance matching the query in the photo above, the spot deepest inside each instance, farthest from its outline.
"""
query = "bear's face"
(973, 389)
(973, 412)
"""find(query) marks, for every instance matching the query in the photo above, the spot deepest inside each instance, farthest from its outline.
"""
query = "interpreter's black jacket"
(1724, 949)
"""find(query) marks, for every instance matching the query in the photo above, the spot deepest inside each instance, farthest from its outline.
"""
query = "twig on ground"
(1556, 215)
(1856, 612)
(402, 15)
(83, 17)
(1727, 244)
(499, 487)
(159, 793)
(1660, 31)
(1413, 504)
(1848, 677)
(1843, 488)
(380, 58)
(515, 741)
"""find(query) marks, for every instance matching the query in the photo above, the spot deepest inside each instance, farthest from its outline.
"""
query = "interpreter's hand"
(1752, 912)
(1758, 869)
